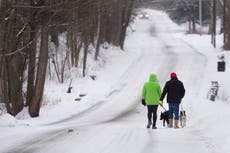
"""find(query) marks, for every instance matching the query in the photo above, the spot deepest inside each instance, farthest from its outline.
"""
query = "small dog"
(165, 117)
(182, 118)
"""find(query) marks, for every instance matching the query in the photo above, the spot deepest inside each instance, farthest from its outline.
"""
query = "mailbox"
(221, 66)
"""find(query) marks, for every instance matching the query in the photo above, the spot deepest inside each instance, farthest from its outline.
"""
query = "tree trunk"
(86, 45)
(116, 23)
(34, 107)
(13, 65)
(227, 44)
(189, 26)
(193, 26)
(78, 50)
(127, 10)
(98, 39)
(32, 62)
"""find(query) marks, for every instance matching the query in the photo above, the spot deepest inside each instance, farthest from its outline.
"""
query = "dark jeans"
(174, 111)
(152, 112)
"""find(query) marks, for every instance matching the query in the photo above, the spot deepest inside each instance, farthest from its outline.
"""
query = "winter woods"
(192, 11)
(29, 27)
(30, 33)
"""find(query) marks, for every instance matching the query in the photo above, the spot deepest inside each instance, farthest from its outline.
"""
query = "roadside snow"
(8, 120)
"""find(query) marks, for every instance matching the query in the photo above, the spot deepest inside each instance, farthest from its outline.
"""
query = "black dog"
(165, 117)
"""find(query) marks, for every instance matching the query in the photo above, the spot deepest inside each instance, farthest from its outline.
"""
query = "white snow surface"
(110, 118)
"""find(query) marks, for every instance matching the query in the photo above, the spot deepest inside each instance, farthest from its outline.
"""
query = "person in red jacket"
(175, 91)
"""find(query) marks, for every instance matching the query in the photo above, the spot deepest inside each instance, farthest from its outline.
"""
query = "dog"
(165, 117)
(182, 118)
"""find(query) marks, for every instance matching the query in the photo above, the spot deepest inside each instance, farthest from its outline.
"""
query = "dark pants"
(152, 112)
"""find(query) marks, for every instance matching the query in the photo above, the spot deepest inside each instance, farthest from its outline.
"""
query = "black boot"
(154, 126)
(149, 124)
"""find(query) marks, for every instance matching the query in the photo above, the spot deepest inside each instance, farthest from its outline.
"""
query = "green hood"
(153, 78)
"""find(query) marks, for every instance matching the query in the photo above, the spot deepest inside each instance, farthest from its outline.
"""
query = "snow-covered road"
(118, 123)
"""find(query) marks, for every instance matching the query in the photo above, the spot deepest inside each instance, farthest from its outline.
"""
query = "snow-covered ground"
(110, 119)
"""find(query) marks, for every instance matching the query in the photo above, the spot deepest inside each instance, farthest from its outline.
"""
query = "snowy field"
(109, 117)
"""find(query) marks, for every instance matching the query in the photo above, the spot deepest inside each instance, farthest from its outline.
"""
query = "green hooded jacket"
(151, 92)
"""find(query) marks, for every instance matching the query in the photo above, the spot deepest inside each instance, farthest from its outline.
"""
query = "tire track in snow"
(207, 141)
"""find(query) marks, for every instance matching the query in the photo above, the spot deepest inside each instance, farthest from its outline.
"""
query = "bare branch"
(18, 50)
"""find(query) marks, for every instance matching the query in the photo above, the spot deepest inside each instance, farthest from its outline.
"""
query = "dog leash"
(181, 106)
(163, 107)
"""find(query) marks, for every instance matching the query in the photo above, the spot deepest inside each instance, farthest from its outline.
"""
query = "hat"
(173, 75)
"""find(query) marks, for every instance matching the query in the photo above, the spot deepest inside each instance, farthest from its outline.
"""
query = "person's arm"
(143, 92)
(159, 91)
(182, 90)
(165, 90)
(143, 96)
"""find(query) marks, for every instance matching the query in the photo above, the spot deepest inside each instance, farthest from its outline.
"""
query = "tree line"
(188, 11)
(182, 11)
(29, 27)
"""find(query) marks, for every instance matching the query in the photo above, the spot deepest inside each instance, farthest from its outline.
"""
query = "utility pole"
(214, 23)
(200, 15)
(224, 21)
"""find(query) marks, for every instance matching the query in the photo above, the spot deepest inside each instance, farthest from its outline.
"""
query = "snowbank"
(8, 120)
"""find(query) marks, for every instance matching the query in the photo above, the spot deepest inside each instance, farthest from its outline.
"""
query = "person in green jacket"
(151, 94)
